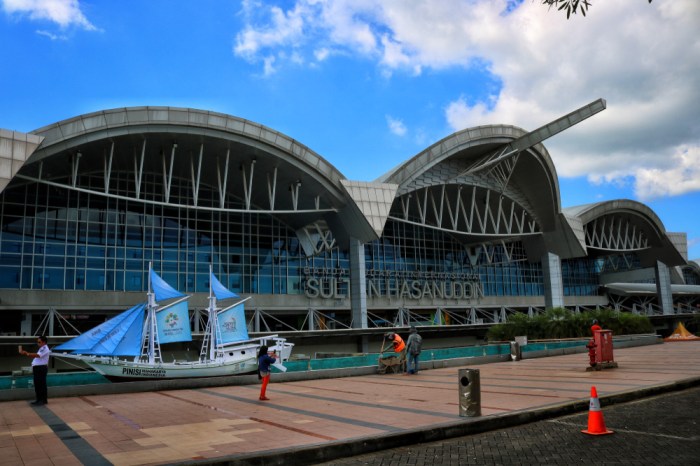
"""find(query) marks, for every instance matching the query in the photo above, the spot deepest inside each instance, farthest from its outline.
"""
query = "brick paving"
(316, 420)
(662, 430)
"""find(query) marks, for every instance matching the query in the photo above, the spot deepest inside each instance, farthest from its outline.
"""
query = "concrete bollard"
(469, 393)
(515, 351)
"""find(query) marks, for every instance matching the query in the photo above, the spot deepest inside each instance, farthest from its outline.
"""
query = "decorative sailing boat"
(128, 345)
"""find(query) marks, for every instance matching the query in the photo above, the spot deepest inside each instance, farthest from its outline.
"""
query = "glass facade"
(580, 277)
(414, 251)
(100, 215)
(691, 276)
(64, 239)
(58, 238)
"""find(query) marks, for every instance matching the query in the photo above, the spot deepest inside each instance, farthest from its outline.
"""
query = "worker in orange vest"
(595, 327)
(397, 341)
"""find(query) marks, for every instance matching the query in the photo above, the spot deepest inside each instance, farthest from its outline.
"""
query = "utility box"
(603, 346)
(469, 392)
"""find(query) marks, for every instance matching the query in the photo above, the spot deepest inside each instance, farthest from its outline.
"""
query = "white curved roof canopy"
(436, 188)
(624, 226)
(250, 167)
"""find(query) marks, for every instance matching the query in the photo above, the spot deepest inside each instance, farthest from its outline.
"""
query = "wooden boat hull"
(116, 370)
(236, 360)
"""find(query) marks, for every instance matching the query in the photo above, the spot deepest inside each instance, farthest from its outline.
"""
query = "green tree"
(570, 6)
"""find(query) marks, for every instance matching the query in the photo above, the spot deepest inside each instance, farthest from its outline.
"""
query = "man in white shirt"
(40, 367)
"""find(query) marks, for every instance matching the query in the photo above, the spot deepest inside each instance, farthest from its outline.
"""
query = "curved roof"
(120, 121)
(533, 184)
(250, 166)
(588, 212)
(625, 222)
(467, 145)
(271, 172)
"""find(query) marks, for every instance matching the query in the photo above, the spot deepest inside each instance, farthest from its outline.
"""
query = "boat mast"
(152, 333)
(212, 324)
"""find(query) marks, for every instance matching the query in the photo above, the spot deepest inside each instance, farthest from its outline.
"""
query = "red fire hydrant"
(591, 352)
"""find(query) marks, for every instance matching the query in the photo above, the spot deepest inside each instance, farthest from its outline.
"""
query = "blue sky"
(369, 84)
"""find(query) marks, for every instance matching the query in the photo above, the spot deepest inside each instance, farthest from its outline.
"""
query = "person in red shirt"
(595, 327)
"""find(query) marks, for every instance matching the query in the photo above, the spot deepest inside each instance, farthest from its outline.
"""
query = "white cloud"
(650, 82)
(459, 111)
(682, 177)
(285, 29)
(321, 54)
(51, 35)
(269, 66)
(396, 126)
(65, 13)
(644, 59)
(318, 27)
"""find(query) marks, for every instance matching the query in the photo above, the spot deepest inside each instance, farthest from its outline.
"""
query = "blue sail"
(174, 323)
(161, 288)
(124, 340)
(130, 345)
(130, 320)
(232, 324)
(220, 291)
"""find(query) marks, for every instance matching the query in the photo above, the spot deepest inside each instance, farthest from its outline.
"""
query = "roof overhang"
(646, 289)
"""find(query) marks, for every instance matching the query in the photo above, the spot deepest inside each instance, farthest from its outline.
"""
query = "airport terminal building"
(467, 231)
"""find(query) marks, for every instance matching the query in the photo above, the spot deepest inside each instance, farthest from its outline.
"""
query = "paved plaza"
(319, 420)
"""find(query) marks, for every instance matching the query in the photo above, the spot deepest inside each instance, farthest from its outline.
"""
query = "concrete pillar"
(256, 328)
(358, 284)
(553, 282)
(311, 318)
(663, 288)
(363, 344)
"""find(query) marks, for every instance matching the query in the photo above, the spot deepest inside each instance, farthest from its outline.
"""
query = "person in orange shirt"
(595, 327)
(397, 342)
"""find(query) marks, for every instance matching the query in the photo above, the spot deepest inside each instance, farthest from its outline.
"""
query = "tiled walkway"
(173, 426)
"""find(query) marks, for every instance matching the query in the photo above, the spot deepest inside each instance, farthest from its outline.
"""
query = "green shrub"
(562, 323)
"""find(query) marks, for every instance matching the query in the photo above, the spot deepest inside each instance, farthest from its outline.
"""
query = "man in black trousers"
(40, 367)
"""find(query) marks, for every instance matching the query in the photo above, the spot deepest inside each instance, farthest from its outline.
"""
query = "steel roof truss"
(196, 176)
(475, 211)
(107, 166)
(272, 188)
(468, 219)
(168, 172)
(294, 188)
(467, 216)
(615, 234)
(405, 205)
(248, 185)
(75, 162)
(222, 183)
(138, 169)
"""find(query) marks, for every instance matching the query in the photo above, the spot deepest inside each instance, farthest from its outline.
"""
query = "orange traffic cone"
(596, 424)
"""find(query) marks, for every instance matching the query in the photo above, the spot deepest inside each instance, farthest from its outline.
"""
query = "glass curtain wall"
(411, 251)
(581, 276)
(58, 238)
(63, 239)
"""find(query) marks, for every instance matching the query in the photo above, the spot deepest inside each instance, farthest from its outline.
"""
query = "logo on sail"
(229, 325)
(172, 320)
